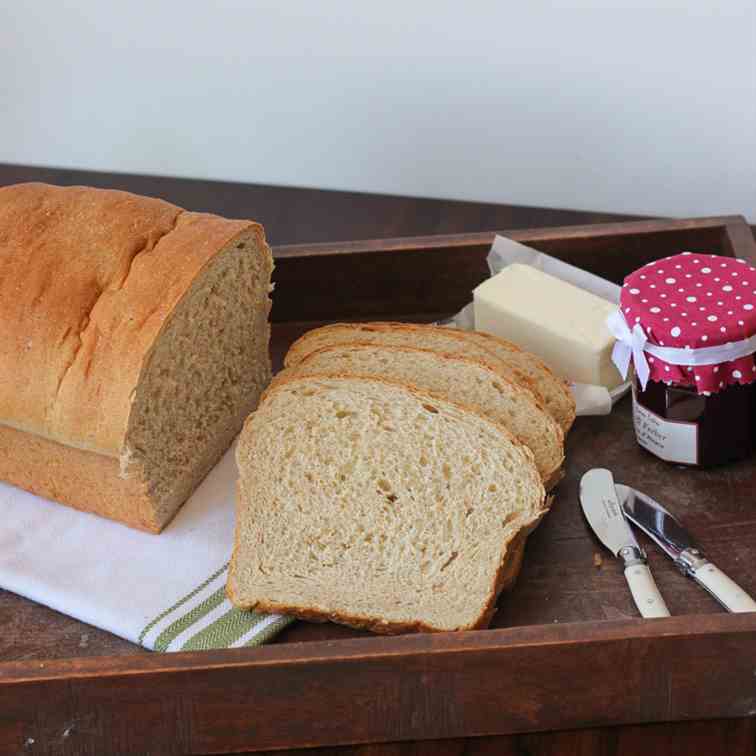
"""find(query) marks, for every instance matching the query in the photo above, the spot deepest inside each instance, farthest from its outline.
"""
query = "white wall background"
(633, 106)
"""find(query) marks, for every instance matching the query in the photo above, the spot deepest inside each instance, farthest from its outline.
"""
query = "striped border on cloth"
(204, 618)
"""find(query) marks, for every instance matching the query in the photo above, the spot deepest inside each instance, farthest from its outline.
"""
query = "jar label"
(670, 440)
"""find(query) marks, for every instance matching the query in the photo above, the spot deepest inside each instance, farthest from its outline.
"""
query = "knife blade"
(662, 527)
(601, 507)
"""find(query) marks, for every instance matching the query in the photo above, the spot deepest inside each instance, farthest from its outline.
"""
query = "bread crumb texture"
(481, 386)
(371, 503)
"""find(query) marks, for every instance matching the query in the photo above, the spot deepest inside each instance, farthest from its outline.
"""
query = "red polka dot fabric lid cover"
(694, 300)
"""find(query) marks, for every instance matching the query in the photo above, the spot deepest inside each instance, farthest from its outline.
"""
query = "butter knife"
(659, 524)
(602, 509)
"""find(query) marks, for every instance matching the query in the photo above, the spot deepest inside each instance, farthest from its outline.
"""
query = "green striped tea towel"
(164, 592)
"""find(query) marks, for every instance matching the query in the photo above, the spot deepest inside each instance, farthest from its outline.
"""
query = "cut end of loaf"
(369, 503)
(204, 375)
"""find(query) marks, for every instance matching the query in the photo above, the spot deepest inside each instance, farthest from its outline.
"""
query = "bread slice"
(133, 344)
(520, 367)
(373, 504)
(554, 390)
(454, 378)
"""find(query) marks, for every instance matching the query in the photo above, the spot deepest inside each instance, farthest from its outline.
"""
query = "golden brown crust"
(512, 551)
(511, 563)
(315, 615)
(88, 278)
(484, 341)
(299, 349)
(84, 480)
(554, 479)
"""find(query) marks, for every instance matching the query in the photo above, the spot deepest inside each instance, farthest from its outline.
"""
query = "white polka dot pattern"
(728, 314)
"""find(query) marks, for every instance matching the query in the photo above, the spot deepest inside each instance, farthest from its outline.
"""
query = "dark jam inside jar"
(725, 421)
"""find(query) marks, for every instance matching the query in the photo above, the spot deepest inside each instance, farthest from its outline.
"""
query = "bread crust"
(88, 279)
(84, 480)
(299, 350)
(505, 580)
(510, 568)
(511, 553)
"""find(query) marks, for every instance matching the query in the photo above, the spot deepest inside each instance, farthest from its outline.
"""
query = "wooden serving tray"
(566, 648)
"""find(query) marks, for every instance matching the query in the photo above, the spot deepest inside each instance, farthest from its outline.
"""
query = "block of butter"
(559, 322)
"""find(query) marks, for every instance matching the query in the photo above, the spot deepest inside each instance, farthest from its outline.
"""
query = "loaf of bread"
(370, 503)
(519, 366)
(133, 343)
(464, 380)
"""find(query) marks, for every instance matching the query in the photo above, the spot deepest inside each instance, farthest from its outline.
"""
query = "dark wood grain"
(726, 737)
(436, 275)
(387, 689)
(582, 674)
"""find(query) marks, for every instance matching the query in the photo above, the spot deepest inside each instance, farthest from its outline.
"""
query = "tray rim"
(735, 227)
(324, 692)
(560, 634)
(720, 634)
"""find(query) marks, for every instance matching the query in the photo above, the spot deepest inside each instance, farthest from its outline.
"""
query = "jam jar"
(694, 399)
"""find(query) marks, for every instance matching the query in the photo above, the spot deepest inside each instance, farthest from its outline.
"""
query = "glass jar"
(680, 425)
(690, 322)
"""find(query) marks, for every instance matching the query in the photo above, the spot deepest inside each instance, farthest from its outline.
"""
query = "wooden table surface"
(291, 215)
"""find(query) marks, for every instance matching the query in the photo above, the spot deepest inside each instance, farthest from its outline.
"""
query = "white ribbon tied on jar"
(634, 344)
(629, 344)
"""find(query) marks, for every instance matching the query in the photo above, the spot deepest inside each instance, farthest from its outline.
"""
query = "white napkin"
(165, 592)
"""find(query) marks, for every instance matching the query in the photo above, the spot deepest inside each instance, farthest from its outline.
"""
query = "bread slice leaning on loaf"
(520, 367)
(463, 380)
(373, 504)
(133, 343)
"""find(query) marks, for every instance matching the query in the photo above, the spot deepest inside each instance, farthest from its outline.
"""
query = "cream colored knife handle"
(726, 591)
(645, 593)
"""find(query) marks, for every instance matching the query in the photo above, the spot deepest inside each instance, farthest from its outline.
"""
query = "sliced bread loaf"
(133, 343)
(455, 378)
(520, 367)
(369, 503)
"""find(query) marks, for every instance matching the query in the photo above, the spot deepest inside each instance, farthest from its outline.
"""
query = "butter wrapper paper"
(590, 400)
